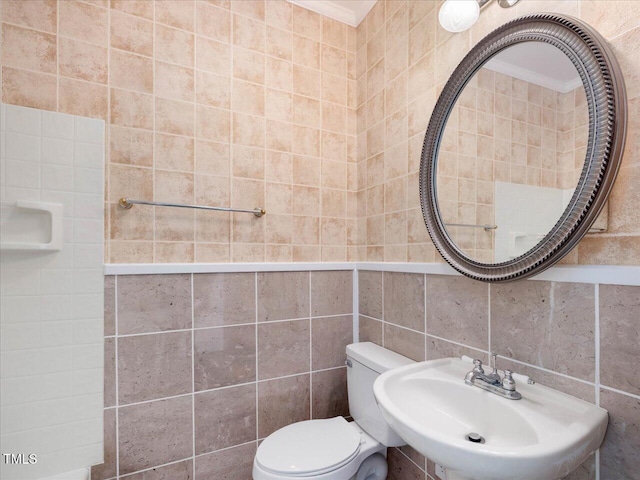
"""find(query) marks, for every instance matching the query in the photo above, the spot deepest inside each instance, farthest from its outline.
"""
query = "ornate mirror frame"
(607, 103)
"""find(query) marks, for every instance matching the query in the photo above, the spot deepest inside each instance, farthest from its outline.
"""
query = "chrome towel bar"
(486, 227)
(127, 203)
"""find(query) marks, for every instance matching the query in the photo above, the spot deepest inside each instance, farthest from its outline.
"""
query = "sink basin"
(543, 436)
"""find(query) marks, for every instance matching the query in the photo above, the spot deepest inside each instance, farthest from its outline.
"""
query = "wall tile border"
(603, 274)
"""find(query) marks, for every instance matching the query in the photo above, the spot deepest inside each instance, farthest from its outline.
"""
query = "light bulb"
(459, 15)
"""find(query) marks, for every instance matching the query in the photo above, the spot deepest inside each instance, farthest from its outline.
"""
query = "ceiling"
(538, 63)
(351, 12)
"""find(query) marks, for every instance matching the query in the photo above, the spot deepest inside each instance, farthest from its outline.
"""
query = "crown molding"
(350, 16)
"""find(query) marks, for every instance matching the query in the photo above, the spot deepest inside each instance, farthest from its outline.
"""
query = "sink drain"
(475, 438)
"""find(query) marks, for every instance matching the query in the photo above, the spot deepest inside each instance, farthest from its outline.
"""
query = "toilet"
(335, 449)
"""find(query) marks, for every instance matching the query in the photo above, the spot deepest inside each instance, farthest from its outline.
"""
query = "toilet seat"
(309, 448)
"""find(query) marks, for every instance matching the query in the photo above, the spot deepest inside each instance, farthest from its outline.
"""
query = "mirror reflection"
(512, 152)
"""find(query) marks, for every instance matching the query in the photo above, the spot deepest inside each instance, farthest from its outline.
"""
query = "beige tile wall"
(254, 103)
(199, 368)
(229, 103)
(403, 60)
(445, 316)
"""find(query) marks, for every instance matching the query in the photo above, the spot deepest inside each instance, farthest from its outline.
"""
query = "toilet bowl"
(331, 449)
(335, 449)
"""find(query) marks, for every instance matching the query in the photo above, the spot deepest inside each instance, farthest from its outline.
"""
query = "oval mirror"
(523, 147)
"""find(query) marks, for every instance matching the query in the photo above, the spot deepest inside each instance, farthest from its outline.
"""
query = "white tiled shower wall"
(517, 233)
(51, 317)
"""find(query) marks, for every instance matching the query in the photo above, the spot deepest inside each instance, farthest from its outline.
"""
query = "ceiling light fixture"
(460, 15)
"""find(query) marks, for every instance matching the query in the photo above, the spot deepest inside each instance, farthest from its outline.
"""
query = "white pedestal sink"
(543, 436)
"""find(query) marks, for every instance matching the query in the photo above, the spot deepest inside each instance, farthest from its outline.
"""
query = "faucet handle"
(478, 366)
(508, 383)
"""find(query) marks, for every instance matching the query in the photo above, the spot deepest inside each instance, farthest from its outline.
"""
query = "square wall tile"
(548, 324)
(619, 452)
(370, 293)
(57, 125)
(224, 299)
(329, 389)
(155, 433)
(458, 310)
(153, 366)
(586, 471)
(404, 300)
(438, 348)
(152, 303)
(109, 372)
(561, 383)
(283, 295)
(225, 417)
(22, 120)
(109, 305)
(331, 293)
(57, 151)
(415, 457)
(283, 348)
(175, 471)
(370, 330)
(231, 464)
(401, 468)
(330, 337)
(88, 130)
(405, 342)
(224, 356)
(619, 337)
(281, 402)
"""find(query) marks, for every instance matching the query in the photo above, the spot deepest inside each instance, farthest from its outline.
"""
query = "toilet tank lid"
(375, 357)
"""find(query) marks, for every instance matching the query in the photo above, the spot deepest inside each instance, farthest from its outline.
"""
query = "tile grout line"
(489, 323)
(546, 370)
(193, 380)
(107, 159)
(230, 162)
(194, 166)
(174, 462)
(620, 392)
(382, 305)
(355, 305)
(597, 359)
(255, 296)
(58, 56)
(216, 327)
(597, 342)
(424, 293)
(117, 381)
(449, 341)
(310, 352)
(227, 387)
(148, 469)
(422, 469)
(263, 225)
(154, 134)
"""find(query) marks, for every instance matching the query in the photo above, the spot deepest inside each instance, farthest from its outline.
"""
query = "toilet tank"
(366, 362)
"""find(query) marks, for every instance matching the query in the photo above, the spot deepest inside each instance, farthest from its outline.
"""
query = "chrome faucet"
(492, 382)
